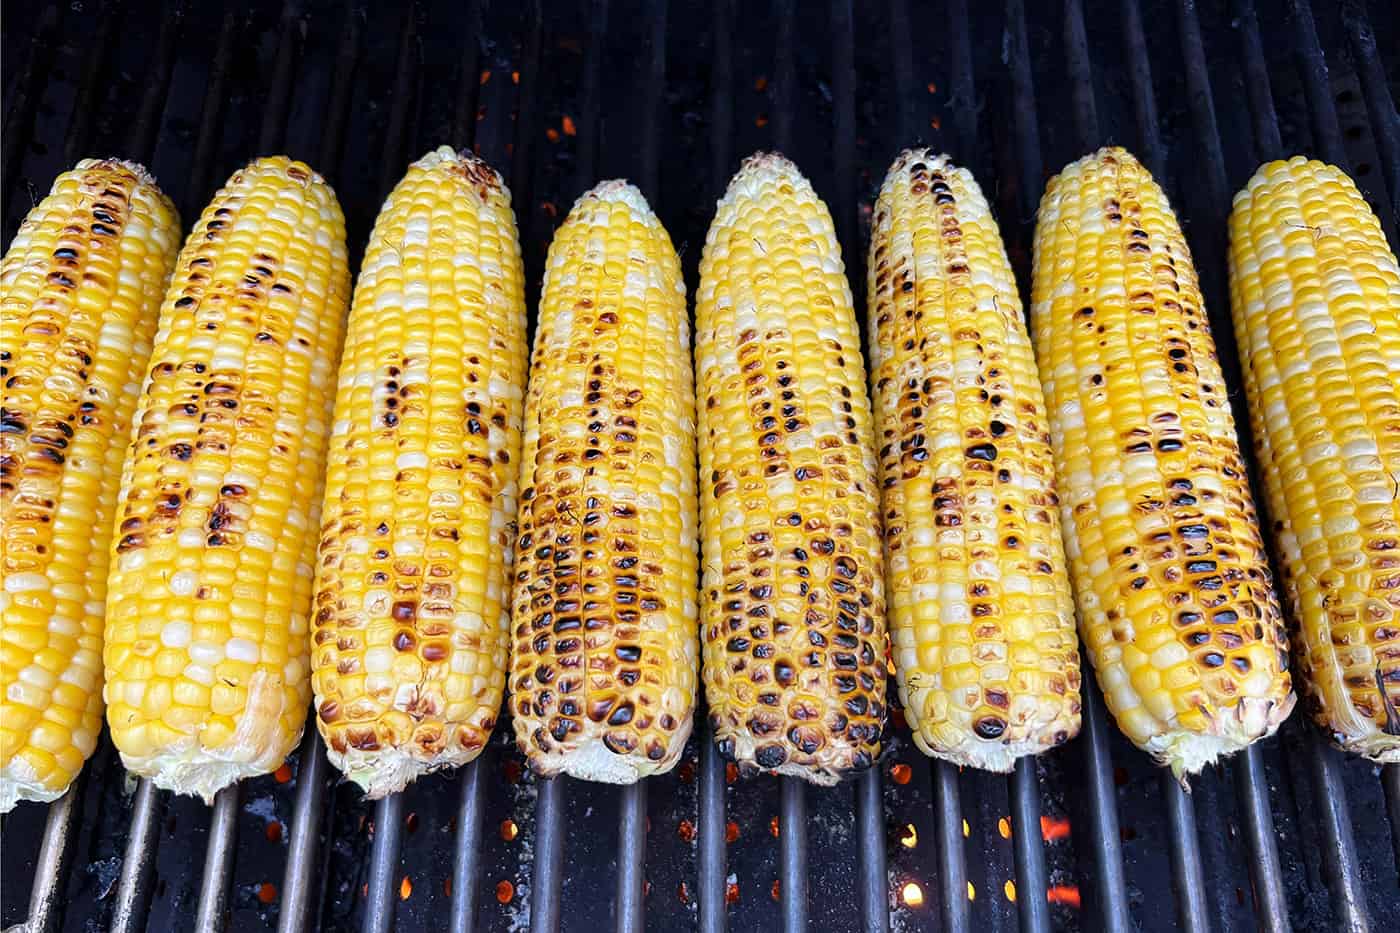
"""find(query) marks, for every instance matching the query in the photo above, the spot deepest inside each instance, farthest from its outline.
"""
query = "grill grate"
(1092, 835)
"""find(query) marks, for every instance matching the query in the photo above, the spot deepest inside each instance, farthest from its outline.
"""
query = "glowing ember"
(901, 773)
(897, 717)
(776, 891)
(971, 892)
(932, 88)
(686, 772)
(410, 822)
(731, 831)
(684, 893)
(485, 76)
(731, 772)
(515, 77)
(1004, 828)
(761, 120)
(686, 831)
(447, 886)
(405, 888)
(731, 893)
(936, 123)
(549, 208)
(773, 827)
(267, 892)
(911, 836)
(912, 894)
(569, 128)
(551, 134)
(1063, 894)
(273, 831)
(505, 891)
(512, 770)
(283, 774)
(1053, 828)
(1009, 889)
(760, 83)
(509, 830)
(967, 830)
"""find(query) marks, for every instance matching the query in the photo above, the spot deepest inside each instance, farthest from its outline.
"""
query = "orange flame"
(405, 888)
(267, 892)
(1053, 828)
(505, 891)
(1063, 894)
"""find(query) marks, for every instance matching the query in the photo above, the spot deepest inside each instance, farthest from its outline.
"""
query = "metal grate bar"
(279, 92)
(86, 104)
(1339, 865)
(141, 139)
(1031, 876)
(384, 864)
(1327, 133)
(870, 828)
(399, 112)
(301, 883)
(218, 860)
(1202, 108)
(471, 815)
(902, 47)
(211, 124)
(589, 98)
(962, 97)
(1267, 143)
(1257, 824)
(1385, 124)
(1025, 124)
(1185, 855)
(784, 86)
(55, 851)
(526, 130)
(1106, 843)
(792, 853)
(632, 858)
(1086, 114)
(342, 84)
(1144, 99)
(653, 84)
(721, 110)
(463, 130)
(549, 855)
(1390, 780)
(711, 813)
(948, 840)
(25, 100)
(138, 861)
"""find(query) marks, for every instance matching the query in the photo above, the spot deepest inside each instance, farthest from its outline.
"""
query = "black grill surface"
(672, 95)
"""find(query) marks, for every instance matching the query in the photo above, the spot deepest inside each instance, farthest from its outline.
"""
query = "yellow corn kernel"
(1164, 549)
(794, 623)
(80, 289)
(981, 621)
(604, 657)
(418, 521)
(1316, 299)
(221, 491)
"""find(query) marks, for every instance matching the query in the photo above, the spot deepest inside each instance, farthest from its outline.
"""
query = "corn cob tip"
(763, 166)
(388, 770)
(143, 175)
(1187, 753)
(183, 768)
(619, 190)
(17, 787)
(480, 177)
(592, 760)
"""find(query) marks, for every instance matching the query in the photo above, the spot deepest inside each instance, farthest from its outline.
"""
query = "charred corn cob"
(794, 622)
(1316, 298)
(1176, 607)
(981, 623)
(79, 291)
(603, 665)
(210, 587)
(411, 628)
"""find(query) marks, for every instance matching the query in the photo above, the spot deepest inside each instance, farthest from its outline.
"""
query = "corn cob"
(79, 290)
(207, 616)
(411, 628)
(981, 623)
(603, 666)
(1316, 298)
(1176, 606)
(794, 622)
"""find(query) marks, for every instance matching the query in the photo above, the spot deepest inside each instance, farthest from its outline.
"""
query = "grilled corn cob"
(1316, 298)
(794, 622)
(79, 290)
(210, 587)
(980, 617)
(603, 666)
(1175, 602)
(411, 628)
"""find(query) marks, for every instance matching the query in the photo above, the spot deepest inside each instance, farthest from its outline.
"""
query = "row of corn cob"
(217, 597)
